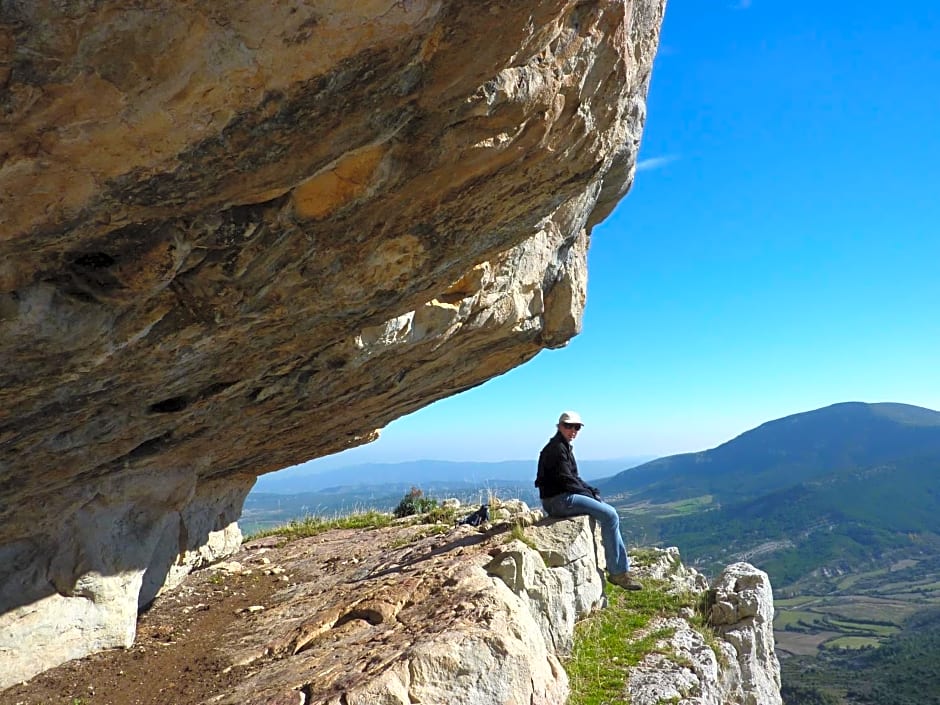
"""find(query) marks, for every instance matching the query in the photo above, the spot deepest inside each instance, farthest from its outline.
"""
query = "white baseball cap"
(570, 417)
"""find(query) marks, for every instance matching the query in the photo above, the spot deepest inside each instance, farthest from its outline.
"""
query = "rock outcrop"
(738, 667)
(238, 236)
(411, 614)
(742, 613)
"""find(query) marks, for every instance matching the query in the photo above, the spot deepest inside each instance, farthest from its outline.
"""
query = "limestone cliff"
(236, 236)
(428, 614)
(741, 665)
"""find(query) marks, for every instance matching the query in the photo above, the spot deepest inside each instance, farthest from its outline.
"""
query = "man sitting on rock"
(565, 494)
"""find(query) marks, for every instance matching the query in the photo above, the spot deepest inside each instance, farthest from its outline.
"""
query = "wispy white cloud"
(741, 5)
(655, 162)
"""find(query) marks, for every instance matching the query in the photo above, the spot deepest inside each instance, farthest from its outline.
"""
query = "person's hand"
(597, 493)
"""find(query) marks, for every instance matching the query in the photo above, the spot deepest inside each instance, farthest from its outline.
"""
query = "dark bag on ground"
(478, 517)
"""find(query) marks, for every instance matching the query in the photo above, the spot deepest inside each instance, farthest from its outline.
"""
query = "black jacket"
(558, 471)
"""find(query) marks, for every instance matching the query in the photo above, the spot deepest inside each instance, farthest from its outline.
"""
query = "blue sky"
(778, 252)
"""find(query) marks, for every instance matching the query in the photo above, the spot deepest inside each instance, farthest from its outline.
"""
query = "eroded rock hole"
(169, 406)
(365, 614)
(94, 260)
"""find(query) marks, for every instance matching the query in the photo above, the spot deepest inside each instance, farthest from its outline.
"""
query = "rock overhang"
(238, 238)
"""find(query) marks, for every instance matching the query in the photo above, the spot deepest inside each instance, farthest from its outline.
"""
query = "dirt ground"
(281, 622)
(802, 644)
(173, 660)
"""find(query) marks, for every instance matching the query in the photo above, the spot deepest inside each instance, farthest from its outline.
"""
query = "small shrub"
(517, 532)
(441, 515)
(414, 503)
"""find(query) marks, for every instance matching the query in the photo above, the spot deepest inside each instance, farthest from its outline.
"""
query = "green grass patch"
(850, 580)
(609, 643)
(851, 642)
(798, 620)
(667, 510)
(847, 582)
(867, 628)
(517, 533)
(314, 525)
(908, 587)
(795, 601)
(691, 505)
(869, 610)
(439, 518)
(440, 515)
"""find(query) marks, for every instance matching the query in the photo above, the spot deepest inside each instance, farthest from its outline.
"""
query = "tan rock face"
(239, 236)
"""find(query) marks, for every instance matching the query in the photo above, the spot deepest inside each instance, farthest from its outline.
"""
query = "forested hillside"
(841, 506)
(778, 454)
(904, 670)
(830, 488)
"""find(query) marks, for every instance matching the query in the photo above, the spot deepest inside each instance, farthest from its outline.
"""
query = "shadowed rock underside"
(239, 236)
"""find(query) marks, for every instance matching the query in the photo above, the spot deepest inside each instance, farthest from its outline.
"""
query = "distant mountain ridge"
(809, 495)
(841, 507)
(781, 453)
(420, 472)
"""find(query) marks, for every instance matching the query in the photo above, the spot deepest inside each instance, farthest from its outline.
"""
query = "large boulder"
(237, 236)
(556, 575)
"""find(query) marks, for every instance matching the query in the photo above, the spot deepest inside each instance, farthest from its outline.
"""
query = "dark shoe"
(623, 580)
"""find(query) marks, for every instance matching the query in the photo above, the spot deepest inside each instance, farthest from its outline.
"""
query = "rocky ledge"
(419, 614)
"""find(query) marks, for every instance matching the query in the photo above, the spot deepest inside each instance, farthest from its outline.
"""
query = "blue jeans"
(570, 505)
